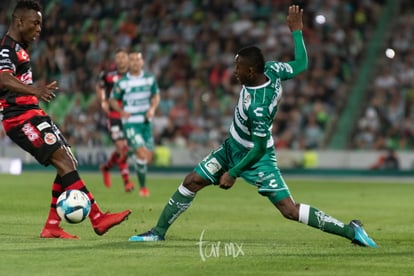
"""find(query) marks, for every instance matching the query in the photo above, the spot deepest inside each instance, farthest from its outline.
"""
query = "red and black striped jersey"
(16, 107)
(106, 82)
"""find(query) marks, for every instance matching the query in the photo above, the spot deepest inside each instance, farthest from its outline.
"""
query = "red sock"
(124, 169)
(112, 160)
(73, 181)
(57, 189)
(95, 212)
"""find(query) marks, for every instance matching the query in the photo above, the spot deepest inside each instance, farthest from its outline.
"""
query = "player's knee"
(290, 214)
(194, 182)
(289, 211)
(63, 160)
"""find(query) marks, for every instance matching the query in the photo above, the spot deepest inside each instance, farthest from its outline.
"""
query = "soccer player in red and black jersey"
(31, 128)
(103, 90)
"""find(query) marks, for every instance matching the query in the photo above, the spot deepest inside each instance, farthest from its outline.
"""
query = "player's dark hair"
(121, 50)
(253, 57)
(24, 5)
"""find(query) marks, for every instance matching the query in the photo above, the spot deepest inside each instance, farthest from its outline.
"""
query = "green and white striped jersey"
(136, 93)
(257, 106)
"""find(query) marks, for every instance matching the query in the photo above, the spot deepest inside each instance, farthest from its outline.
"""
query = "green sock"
(318, 219)
(141, 168)
(178, 203)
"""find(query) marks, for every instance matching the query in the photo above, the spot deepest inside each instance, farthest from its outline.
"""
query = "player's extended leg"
(123, 167)
(318, 219)
(118, 155)
(178, 203)
(142, 158)
(116, 158)
(52, 228)
(101, 222)
(65, 164)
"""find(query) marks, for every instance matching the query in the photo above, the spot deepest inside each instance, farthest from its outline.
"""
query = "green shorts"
(139, 135)
(265, 174)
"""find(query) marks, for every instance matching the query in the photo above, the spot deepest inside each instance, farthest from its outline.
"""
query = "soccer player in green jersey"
(249, 151)
(138, 90)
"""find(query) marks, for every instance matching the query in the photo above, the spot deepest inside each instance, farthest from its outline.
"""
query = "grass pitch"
(234, 232)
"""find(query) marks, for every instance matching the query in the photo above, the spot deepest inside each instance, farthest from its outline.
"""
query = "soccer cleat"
(55, 232)
(106, 221)
(106, 176)
(129, 187)
(361, 237)
(144, 192)
(151, 235)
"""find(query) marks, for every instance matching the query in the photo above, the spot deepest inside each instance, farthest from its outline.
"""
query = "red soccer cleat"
(106, 176)
(144, 192)
(129, 187)
(106, 221)
(55, 232)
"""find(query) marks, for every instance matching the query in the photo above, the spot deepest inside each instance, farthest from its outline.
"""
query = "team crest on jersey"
(22, 55)
(50, 138)
(247, 99)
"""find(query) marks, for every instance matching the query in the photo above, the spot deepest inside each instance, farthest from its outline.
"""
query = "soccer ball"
(73, 206)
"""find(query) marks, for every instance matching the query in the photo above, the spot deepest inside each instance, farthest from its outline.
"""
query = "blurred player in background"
(119, 156)
(31, 128)
(249, 151)
(138, 90)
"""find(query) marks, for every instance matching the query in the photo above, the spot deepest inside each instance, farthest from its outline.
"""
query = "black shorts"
(115, 129)
(39, 136)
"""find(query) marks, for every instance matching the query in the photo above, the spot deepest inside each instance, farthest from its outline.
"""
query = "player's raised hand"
(294, 18)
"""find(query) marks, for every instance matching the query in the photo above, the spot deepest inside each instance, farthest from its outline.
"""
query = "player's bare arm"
(154, 104)
(45, 93)
(100, 94)
(294, 18)
(115, 106)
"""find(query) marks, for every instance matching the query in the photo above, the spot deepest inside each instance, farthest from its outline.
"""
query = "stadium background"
(352, 103)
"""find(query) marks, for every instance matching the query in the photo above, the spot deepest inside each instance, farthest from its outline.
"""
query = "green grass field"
(240, 232)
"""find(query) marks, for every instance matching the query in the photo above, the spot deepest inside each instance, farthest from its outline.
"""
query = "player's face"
(29, 24)
(242, 71)
(136, 62)
(121, 62)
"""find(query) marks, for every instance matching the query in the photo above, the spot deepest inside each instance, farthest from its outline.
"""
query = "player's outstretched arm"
(294, 18)
(295, 24)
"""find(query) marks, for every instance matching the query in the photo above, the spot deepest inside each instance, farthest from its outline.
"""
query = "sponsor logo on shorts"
(50, 138)
(263, 176)
(43, 125)
(32, 134)
(213, 166)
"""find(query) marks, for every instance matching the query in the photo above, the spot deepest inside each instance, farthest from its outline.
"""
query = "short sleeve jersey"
(136, 93)
(106, 82)
(16, 107)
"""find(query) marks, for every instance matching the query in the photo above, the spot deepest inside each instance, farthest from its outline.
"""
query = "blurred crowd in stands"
(190, 45)
(387, 121)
